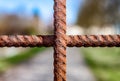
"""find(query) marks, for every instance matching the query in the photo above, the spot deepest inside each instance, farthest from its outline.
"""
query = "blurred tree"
(99, 12)
(13, 24)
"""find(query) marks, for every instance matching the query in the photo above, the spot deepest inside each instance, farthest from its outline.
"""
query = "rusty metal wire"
(94, 41)
(48, 41)
(25, 41)
(60, 40)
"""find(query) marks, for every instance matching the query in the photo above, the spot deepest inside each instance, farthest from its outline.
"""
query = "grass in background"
(18, 58)
(104, 62)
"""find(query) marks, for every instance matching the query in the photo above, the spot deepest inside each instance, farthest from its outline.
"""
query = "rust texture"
(48, 41)
(25, 41)
(60, 40)
(94, 41)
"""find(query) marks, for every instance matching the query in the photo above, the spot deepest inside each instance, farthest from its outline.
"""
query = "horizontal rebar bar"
(25, 41)
(94, 41)
(48, 40)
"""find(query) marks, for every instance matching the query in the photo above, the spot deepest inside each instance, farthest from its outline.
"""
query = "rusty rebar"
(60, 40)
(25, 41)
(94, 41)
(48, 41)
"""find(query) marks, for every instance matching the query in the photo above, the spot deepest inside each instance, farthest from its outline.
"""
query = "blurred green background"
(104, 62)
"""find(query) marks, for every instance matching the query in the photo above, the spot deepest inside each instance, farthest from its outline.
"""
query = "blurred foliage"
(14, 24)
(18, 58)
(23, 25)
(99, 12)
(18, 24)
(105, 62)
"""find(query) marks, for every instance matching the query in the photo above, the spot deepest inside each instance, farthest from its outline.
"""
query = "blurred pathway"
(40, 68)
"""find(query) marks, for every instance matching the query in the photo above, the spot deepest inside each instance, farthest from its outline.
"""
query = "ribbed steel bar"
(60, 40)
(26, 41)
(48, 41)
(94, 41)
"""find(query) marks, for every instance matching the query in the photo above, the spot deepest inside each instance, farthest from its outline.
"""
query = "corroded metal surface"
(48, 41)
(25, 41)
(60, 40)
(94, 41)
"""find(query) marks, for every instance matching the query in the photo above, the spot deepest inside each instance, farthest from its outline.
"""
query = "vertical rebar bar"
(60, 40)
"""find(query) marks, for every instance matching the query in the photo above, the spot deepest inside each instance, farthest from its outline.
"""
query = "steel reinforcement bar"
(60, 41)
(48, 41)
